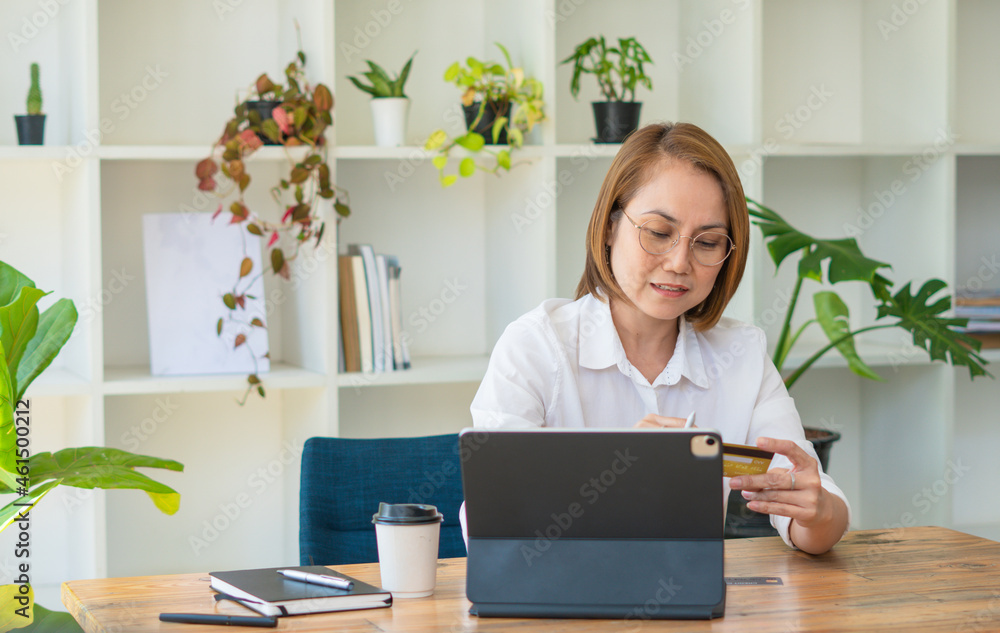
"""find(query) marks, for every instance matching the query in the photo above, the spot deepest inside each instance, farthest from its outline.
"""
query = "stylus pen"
(317, 579)
(224, 620)
(690, 421)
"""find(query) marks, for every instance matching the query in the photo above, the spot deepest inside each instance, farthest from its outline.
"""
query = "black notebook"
(269, 593)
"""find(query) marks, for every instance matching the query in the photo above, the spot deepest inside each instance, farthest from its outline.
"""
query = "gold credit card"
(738, 459)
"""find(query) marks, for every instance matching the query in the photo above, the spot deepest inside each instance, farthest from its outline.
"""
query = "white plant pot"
(389, 115)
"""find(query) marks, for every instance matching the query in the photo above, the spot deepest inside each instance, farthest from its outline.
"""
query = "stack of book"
(371, 318)
(982, 309)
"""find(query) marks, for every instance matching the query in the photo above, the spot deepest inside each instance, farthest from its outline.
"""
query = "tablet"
(594, 523)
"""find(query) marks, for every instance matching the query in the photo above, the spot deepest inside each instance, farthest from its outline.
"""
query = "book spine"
(402, 359)
(350, 343)
(386, 332)
(374, 306)
(365, 344)
(977, 312)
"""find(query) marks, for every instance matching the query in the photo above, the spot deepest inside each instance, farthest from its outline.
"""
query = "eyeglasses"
(657, 236)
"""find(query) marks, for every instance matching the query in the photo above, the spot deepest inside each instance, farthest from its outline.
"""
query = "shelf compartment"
(574, 118)
(579, 181)
(976, 48)
(368, 30)
(865, 81)
(153, 91)
(701, 71)
(54, 35)
(977, 224)
(389, 35)
(237, 462)
(976, 436)
(47, 213)
(442, 284)
(406, 410)
(905, 445)
(897, 211)
(293, 308)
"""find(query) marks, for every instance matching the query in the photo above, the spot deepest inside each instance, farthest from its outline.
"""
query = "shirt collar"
(600, 347)
(598, 339)
(688, 355)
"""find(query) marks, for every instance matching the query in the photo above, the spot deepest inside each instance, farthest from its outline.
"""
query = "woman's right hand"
(653, 421)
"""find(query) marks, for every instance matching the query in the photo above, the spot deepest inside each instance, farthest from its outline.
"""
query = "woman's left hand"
(795, 492)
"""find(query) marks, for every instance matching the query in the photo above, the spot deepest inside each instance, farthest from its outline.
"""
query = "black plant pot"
(822, 440)
(263, 110)
(742, 522)
(30, 129)
(492, 110)
(615, 120)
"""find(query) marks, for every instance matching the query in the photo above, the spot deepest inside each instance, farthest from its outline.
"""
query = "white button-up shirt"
(563, 365)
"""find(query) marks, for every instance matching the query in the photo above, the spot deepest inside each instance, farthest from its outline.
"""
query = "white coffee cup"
(407, 535)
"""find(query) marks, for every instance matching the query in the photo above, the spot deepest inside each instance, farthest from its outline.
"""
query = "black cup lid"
(406, 514)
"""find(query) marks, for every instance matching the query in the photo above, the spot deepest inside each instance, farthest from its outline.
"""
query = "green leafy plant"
(34, 103)
(299, 124)
(382, 85)
(920, 313)
(618, 70)
(31, 339)
(516, 101)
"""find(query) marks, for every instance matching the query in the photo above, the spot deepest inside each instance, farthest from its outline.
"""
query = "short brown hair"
(643, 151)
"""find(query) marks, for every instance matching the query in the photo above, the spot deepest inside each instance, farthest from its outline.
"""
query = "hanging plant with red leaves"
(299, 119)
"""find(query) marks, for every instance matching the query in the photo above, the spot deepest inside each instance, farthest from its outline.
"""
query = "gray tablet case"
(593, 524)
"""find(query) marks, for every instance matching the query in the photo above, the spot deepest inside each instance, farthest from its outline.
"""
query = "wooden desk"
(909, 579)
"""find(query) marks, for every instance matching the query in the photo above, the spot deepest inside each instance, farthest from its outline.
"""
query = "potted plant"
(260, 108)
(618, 71)
(31, 126)
(30, 341)
(500, 104)
(390, 105)
(299, 124)
(920, 313)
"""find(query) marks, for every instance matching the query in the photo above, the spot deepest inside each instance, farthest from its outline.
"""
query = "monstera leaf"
(847, 263)
(833, 315)
(932, 332)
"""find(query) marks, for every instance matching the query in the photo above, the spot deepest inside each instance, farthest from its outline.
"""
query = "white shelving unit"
(823, 107)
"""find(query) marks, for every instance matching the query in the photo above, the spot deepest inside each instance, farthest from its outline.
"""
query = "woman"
(644, 343)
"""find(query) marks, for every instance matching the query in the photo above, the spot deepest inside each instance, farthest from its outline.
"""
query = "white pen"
(690, 421)
(317, 579)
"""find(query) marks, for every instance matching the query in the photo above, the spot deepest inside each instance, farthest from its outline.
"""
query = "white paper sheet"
(191, 262)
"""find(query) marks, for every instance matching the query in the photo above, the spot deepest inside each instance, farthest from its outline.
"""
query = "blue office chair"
(343, 481)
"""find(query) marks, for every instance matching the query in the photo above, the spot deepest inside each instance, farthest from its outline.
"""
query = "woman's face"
(665, 286)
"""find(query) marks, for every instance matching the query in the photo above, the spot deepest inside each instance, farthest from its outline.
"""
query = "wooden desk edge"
(76, 608)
